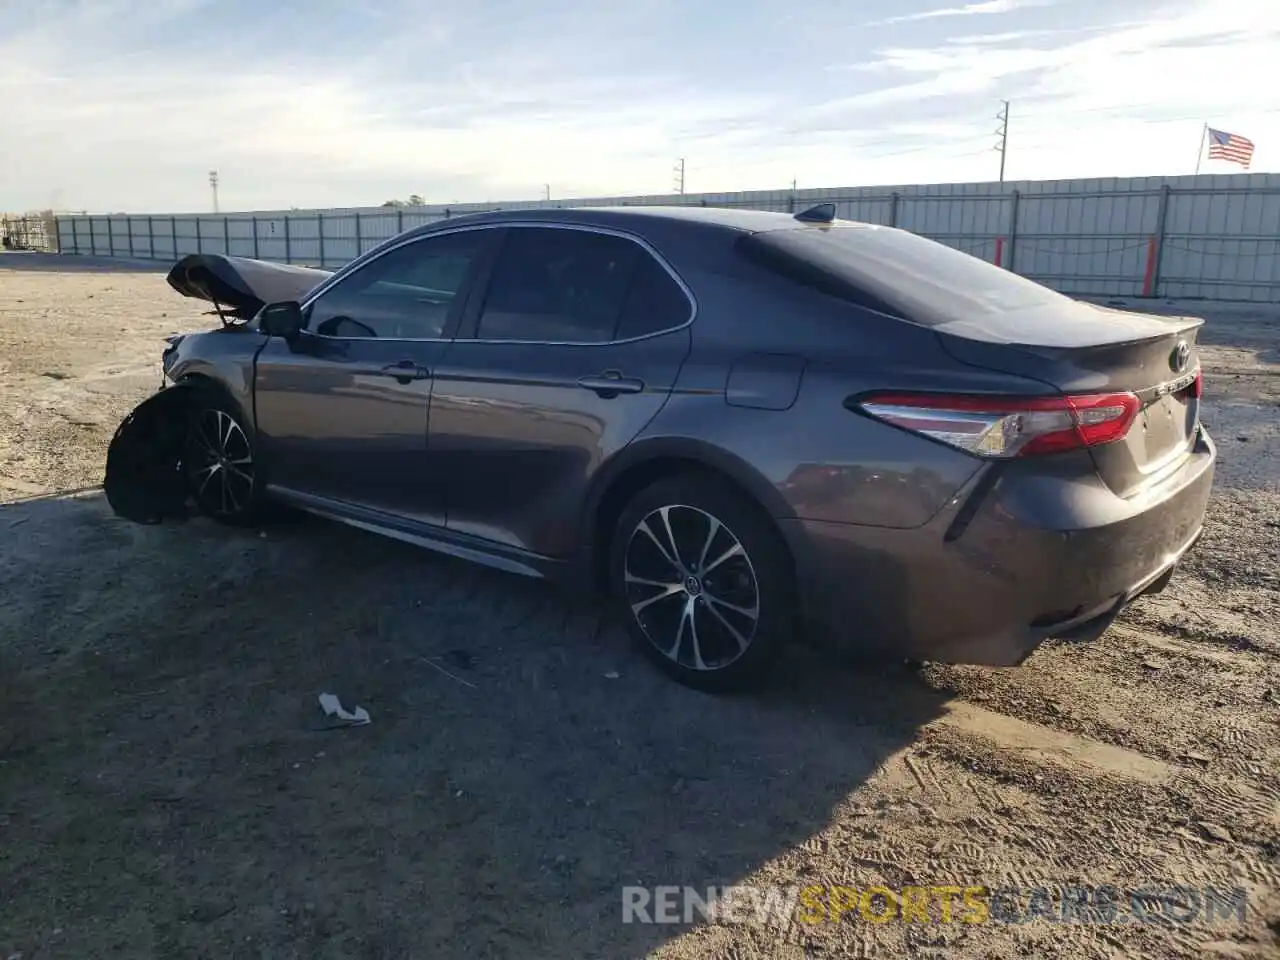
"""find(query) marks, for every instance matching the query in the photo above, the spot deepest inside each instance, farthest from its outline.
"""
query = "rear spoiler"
(241, 286)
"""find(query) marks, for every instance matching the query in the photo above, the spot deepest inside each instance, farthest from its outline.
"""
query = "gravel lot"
(168, 786)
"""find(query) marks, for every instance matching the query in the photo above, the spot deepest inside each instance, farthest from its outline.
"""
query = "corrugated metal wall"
(1213, 236)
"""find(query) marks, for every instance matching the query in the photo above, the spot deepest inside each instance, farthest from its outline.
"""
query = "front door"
(573, 347)
(342, 411)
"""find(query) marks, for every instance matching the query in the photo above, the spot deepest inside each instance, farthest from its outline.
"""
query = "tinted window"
(904, 273)
(558, 285)
(407, 293)
(655, 303)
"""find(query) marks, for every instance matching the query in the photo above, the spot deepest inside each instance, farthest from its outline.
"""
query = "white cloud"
(988, 39)
(1128, 101)
(967, 10)
(99, 114)
(1164, 60)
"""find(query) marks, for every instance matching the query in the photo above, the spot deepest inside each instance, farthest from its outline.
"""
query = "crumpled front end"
(144, 479)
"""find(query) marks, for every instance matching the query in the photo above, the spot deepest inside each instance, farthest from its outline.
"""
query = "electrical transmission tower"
(213, 185)
(679, 177)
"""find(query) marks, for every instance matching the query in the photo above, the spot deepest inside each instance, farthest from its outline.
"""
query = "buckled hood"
(241, 286)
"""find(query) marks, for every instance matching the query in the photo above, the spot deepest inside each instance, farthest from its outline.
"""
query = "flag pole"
(1204, 132)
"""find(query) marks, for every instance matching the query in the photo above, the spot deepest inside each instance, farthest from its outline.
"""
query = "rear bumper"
(1017, 557)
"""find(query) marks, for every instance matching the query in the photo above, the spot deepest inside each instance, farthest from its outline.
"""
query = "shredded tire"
(144, 481)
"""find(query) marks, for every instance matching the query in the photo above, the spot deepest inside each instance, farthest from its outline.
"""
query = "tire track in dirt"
(1221, 691)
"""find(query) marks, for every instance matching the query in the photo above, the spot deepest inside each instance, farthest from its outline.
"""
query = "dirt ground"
(169, 786)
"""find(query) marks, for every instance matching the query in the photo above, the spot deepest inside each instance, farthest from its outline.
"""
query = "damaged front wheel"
(185, 442)
(220, 465)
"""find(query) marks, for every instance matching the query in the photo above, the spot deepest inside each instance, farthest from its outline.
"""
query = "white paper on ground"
(332, 706)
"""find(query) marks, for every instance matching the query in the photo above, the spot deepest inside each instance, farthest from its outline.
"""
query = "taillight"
(1008, 426)
(1196, 390)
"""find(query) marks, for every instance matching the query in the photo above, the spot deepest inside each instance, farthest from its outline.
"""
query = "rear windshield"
(896, 272)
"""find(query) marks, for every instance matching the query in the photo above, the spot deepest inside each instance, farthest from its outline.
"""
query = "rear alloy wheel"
(700, 576)
(220, 465)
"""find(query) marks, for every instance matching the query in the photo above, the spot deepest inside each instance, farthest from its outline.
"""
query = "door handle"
(611, 383)
(405, 371)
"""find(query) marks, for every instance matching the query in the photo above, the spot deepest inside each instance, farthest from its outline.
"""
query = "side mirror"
(282, 319)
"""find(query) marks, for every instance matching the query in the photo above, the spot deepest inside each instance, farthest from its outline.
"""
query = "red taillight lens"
(1007, 427)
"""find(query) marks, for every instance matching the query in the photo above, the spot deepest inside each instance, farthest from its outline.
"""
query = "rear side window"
(897, 272)
(558, 285)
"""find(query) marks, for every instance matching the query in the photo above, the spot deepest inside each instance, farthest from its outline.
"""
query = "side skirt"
(430, 537)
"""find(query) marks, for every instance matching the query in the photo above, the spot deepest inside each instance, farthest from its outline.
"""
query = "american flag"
(1229, 146)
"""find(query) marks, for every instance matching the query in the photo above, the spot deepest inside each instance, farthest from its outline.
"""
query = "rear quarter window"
(655, 302)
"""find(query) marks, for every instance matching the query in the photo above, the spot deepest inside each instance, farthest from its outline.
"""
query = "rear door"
(572, 347)
(342, 411)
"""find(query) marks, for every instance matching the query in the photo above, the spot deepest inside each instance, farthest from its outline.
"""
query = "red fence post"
(1149, 277)
(998, 261)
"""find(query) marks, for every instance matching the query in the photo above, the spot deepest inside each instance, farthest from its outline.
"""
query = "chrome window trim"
(644, 244)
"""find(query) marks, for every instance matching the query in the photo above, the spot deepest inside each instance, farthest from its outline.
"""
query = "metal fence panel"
(377, 227)
(1223, 245)
(1213, 236)
(240, 237)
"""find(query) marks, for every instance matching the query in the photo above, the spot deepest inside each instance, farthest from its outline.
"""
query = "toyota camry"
(740, 426)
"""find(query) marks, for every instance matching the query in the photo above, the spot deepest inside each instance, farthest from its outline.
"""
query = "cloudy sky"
(127, 104)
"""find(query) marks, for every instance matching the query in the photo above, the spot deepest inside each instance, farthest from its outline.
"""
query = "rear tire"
(702, 580)
(220, 462)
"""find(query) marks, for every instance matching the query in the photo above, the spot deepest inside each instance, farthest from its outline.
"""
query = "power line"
(934, 146)
(1003, 135)
(1237, 108)
(1034, 128)
(1155, 122)
(1065, 113)
(1001, 146)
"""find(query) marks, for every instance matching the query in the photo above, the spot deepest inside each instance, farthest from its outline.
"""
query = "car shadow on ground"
(34, 262)
(172, 787)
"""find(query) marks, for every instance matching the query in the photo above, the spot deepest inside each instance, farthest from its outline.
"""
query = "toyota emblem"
(1181, 356)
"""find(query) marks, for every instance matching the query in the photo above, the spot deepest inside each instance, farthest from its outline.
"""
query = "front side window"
(560, 286)
(405, 294)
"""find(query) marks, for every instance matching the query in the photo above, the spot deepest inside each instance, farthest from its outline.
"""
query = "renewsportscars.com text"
(942, 903)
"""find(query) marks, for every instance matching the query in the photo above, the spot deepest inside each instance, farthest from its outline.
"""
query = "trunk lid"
(1083, 348)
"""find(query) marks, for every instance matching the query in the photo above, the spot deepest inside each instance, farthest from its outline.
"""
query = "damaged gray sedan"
(737, 424)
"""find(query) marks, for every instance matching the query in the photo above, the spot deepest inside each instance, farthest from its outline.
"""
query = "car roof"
(740, 221)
